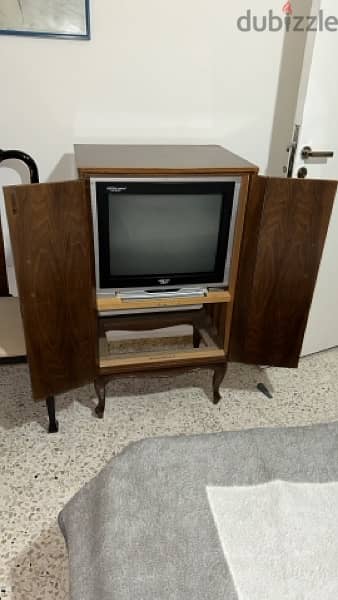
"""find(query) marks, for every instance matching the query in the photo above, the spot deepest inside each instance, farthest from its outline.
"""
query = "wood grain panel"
(102, 159)
(4, 291)
(285, 230)
(51, 233)
(246, 269)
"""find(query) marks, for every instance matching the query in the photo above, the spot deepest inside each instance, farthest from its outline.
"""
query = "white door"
(319, 130)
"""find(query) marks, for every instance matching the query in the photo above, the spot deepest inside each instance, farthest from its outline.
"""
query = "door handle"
(307, 152)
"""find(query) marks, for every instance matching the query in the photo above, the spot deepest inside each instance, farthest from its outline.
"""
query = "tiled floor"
(40, 472)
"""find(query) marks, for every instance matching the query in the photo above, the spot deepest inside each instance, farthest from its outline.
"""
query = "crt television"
(163, 233)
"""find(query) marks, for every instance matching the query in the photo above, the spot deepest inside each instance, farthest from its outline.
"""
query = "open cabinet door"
(284, 234)
(51, 234)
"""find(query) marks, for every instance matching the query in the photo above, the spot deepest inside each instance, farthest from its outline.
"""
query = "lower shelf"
(163, 360)
(154, 342)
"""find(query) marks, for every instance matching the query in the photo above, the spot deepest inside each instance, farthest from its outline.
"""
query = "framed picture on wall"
(45, 18)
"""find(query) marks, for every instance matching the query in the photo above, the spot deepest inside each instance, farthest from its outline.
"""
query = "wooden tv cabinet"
(260, 319)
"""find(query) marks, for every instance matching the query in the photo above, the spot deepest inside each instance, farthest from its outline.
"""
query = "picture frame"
(63, 19)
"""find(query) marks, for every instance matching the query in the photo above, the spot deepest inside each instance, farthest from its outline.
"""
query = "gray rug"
(199, 518)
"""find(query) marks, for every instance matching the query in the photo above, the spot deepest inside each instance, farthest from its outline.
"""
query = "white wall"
(154, 71)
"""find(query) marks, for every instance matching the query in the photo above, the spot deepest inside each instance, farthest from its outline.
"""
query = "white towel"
(280, 539)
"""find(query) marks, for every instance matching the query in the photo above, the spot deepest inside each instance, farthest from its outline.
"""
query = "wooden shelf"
(115, 303)
(113, 360)
(158, 360)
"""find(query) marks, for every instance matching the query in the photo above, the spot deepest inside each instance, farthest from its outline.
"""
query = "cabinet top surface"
(106, 158)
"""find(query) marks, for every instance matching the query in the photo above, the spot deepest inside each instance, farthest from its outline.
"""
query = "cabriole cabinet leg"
(219, 374)
(53, 424)
(100, 388)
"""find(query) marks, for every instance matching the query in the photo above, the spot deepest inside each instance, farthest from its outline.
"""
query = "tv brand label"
(289, 22)
(164, 281)
(117, 189)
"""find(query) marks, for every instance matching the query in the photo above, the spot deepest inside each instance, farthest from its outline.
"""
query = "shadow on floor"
(238, 377)
(17, 407)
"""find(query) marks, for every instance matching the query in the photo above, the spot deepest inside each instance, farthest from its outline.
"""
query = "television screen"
(163, 234)
(150, 233)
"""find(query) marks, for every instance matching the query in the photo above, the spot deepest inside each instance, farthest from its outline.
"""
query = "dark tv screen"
(163, 234)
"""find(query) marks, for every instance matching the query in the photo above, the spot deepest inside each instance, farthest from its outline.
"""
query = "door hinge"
(292, 150)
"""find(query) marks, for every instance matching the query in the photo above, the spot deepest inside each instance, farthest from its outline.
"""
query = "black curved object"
(28, 160)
